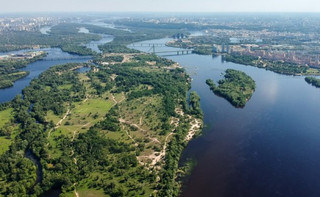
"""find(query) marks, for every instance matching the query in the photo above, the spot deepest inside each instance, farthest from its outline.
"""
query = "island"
(237, 87)
(313, 81)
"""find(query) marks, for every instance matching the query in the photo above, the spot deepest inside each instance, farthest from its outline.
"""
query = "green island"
(116, 130)
(10, 65)
(275, 66)
(237, 87)
(313, 81)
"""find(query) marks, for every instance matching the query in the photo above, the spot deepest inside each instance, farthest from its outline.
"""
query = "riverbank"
(10, 65)
(275, 66)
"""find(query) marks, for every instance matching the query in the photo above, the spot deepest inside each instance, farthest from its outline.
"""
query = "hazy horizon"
(170, 6)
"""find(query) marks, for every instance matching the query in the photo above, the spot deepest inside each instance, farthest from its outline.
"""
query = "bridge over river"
(154, 48)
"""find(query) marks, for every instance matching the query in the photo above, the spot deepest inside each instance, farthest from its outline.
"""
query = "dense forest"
(84, 130)
(237, 87)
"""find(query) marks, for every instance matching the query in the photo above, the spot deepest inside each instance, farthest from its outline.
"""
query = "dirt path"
(115, 101)
(124, 121)
(155, 140)
(126, 58)
(131, 124)
(158, 156)
(123, 97)
(64, 117)
(163, 152)
(58, 123)
(75, 190)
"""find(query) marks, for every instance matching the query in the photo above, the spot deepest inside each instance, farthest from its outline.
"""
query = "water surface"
(270, 148)
(55, 57)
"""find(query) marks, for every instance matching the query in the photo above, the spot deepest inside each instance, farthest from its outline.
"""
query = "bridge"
(147, 45)
(165, 53)
(174, 52)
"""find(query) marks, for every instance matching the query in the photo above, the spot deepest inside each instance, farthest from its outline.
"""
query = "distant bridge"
(174, 52)
(147, 45)
(153, 50)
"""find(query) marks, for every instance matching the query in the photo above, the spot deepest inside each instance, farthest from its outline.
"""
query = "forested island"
(9, 67)
(237, 87)
(117, 130)
(313, 81)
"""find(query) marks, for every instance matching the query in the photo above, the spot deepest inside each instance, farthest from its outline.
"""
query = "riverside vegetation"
(117, 130)
(9, 69)
(236, 87)
(275, 66)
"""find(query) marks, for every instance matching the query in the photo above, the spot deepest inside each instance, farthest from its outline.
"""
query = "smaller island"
(313, 81)
(237, 87)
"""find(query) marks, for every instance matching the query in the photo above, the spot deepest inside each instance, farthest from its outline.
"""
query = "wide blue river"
(270, 148)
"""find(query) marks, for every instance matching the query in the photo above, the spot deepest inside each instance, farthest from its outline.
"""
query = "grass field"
(4, 144)
(91, 193)
(82, 116)
(313, 71)
(5, 116)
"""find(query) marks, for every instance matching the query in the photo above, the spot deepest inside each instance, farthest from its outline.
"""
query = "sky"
(9, 6)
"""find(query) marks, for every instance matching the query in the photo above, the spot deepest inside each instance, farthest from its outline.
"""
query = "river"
(35, 69)
(270, 148)
(40, 66)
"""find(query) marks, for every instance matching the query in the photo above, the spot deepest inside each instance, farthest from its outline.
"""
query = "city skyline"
(15, 6)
